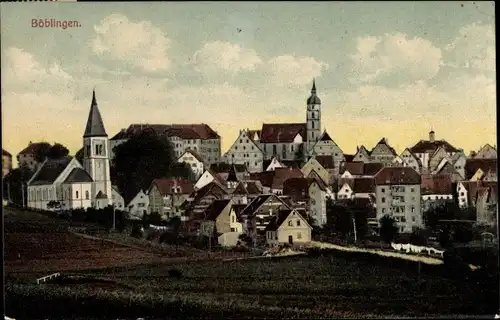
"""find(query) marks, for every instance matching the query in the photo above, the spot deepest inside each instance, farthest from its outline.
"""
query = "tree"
(447, 211)
(42, 151)
(339, 219)
(14, 182)
(388, 228)
(445, 238)
(57, 151)
(418, 238)
(141, 159)
(182, 170)
(463, 233)
(56, 205)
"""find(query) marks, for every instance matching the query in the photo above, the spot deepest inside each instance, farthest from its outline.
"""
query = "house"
(318, 193)
(321, 169)
(288, 226)
(398, 195)
(445, 167)
(458, 160)
(486, 152)
(207, 177)
(70, 183)
(194, 160)
(6, 163)
(487, 205)
(260, 211)
(436, 190)
(424, 149)
(345, 191)
(138, 206)
(200, 200)
(255, 136)
(356, 188)
(118, 201)
(272, 181)
(291, 141)
(273, 164)
(475, 169)
(245, 151)
(223, 169)
(411, 160)
(197, 137)
(27, 156)
(297, 190)
(244, 192)
(326, 147)
(383, 153)
(220, 218)
(167, 195)
(467, 191)
(361, 155)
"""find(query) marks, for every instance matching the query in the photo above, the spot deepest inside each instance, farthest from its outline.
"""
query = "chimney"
(432, 136)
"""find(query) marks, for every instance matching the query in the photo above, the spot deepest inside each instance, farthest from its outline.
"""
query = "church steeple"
(313, 99)
(313, 90)
(95, 125)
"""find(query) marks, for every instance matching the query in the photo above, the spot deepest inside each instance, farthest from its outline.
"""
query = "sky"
(382, 69)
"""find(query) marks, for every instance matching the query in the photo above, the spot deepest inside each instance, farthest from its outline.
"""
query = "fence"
(409, 248)
(49, 277)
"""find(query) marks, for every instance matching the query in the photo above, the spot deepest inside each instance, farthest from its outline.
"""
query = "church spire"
(95, 125)
(313, 99)
(313, 90)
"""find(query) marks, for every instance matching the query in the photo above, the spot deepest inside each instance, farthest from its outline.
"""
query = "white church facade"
(72, 184)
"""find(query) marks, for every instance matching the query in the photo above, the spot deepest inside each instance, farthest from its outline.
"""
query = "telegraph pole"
(354, 227)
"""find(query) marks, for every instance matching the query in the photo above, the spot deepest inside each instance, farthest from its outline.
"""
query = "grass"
(322, 286)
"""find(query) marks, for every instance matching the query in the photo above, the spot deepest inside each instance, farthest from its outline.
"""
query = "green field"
(330, 286)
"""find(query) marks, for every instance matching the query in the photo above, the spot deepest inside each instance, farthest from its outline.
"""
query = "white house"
(318, 193)
(118, 201)
(194, 160)
(463, 194)
(345, 192)
(138, 206)
(207, 177)
(288, 226)
(70, 183)
(245, 151)
(410, 160)
(275, 163)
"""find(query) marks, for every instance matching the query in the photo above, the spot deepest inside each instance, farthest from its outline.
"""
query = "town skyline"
(420, 71)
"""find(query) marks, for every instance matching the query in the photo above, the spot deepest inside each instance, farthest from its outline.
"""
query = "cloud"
(138, 43)
(378, 57)
(473, 48)
(288, 70)
(218, 55)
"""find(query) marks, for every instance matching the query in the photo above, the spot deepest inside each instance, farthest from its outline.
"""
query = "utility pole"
(354, 227)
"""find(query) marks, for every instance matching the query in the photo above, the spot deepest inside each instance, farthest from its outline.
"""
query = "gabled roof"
(354, 168)
(397, 176)
(383, 142)
(223, 167)
(95, 125)
(78, 175)
(326, 161)
(364, 185)
(282, 132)
(165, 186)
(254, 187)
(240, 189)
(32, 148)
(122, 134)
(315, 178)
(282, 215)
(437, 184)
(193, 153)
(371, 168)
(297, 188)
(215, 209)
(232, 177)
(275, 179)
(184, 131)
(258, 202)
(472, 165)
(252, 133)
(325, 137)
(349, 157)
(362, 149)
(426, 146)
(51, 169)
(5, 153)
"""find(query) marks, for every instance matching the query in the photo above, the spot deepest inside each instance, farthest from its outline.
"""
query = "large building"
(197, 137)
(27, 156)
(425, 150)
(397, 191)
(245, 150)
(296, 141)
(71, 184)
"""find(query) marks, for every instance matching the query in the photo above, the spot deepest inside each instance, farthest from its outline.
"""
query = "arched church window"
(86, 195)
(312, 125)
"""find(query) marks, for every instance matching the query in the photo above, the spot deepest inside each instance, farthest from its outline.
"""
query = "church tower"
(313, 119)
(96, 155)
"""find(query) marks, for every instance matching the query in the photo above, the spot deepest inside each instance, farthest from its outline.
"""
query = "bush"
(136, 231)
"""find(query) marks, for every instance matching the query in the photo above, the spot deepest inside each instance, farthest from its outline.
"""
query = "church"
(72, 184)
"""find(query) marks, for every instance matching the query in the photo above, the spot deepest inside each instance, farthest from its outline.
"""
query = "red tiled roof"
(397, 175)
(183, 131)
(354, 168)
(437, 184)
(349, 157)
(371, 169)
(425, 146)
(297, 188)
(165, 186)
(472, 165)
(33, 147)
(282, 132)
(326, 161)
(5, 153)
(223, 167)
(364, 185)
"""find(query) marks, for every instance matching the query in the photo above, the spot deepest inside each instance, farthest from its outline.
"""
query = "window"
(413, 219)
(299, 235)
(241, 140)
(233, 219)
(283, 152)
(274, 149)
(383, 210)
(291, 148)
(298, 223)
(383, 190)
(290, 223)
(77, 195)
(462, 194)
(412, 190)
(383, 200)
(312, 125)
(412, 209)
